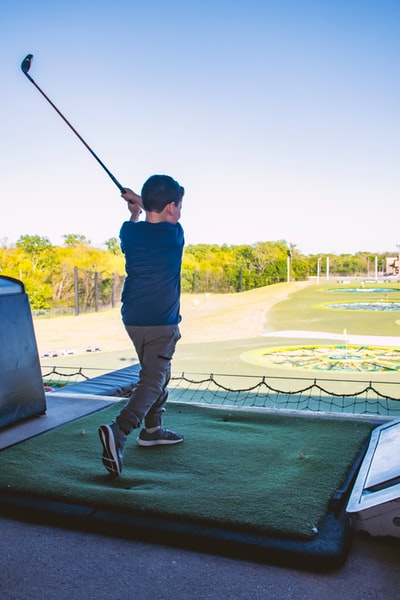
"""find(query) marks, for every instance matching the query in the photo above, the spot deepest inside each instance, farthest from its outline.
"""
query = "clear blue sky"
(280, 118)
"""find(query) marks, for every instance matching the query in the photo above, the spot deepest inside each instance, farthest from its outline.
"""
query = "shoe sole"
(110, 451)
(160, 442)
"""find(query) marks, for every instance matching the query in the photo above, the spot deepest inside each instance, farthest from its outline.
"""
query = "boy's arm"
(134, 203)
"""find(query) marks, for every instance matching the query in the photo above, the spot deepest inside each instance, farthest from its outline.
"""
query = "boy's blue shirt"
(153, 255)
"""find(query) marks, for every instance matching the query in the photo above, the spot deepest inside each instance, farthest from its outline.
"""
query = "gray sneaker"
(113, 440)
(161, 436)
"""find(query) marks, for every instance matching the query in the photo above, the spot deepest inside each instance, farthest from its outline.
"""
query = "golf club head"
(26, 63)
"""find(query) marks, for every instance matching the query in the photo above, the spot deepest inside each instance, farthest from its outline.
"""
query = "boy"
(150, 312)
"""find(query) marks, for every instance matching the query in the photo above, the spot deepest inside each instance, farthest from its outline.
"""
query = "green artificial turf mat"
(244, 470)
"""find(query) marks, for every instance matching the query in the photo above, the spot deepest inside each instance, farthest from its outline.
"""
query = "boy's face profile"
(176, 210)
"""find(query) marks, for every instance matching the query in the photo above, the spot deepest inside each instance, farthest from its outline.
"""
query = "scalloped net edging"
(303, 394)
(248, 391)
(59, 377)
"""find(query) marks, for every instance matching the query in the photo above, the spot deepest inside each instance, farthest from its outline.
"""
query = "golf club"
(25, 66)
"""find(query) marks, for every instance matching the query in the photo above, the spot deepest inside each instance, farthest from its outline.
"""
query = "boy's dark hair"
(160, 190)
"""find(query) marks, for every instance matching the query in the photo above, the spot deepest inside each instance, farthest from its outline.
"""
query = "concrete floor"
(44, 563)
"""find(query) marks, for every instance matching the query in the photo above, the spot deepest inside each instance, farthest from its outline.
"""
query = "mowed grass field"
(205, 318)
(218, 329)
(308, 310)
(218, 317)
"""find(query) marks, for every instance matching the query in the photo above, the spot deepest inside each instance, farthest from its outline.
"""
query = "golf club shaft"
(25, 71)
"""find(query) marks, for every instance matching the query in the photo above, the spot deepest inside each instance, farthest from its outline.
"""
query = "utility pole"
(289, 256)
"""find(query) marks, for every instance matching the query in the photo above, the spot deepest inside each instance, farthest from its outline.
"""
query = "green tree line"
(60, 277)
